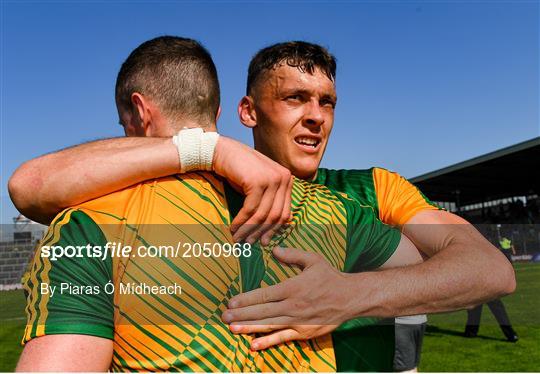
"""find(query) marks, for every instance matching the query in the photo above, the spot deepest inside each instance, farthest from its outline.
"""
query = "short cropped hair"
(302, 55)
(178, 74)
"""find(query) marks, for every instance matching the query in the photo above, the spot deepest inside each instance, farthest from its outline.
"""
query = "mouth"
(309, 144)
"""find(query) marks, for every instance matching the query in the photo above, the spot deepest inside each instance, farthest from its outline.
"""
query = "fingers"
(286, 215)
(262, 221)
(280, 213)
(254, 314)
(293, 256)
(254, 205)
(263, 181)
(264, 295)
(276, 338)
(251, 203)
(264, 327)
(266, 207)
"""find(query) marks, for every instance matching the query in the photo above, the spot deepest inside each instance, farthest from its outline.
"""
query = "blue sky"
(421, 85)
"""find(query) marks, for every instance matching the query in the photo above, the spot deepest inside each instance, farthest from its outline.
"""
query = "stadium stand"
(13, 259)
(16, 249)
(498, 192)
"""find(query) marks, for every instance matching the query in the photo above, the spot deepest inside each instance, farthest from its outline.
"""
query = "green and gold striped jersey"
(131, 296)
(364, 345)
(394, 199)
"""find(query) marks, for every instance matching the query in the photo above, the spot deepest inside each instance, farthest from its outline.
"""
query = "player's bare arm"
(458, 274)
(42, 187)
(66, 353)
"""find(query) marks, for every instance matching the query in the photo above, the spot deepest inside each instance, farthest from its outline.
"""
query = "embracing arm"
(42, 187)
(66, 353)
(463, 270)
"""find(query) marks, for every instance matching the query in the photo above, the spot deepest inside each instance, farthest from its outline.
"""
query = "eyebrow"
(295, 91)
(332, 98)
(302, 91)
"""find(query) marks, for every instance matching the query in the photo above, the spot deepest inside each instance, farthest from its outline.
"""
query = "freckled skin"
(290, 103)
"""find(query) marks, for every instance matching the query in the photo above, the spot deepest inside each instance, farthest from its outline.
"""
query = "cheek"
(285, 117)
(278, 129)
(281, 143)
(329, 120)
(326, 132)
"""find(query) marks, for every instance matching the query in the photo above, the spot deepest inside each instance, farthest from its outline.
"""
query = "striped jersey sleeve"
(394, 199)
(397, 198)
(66, 295)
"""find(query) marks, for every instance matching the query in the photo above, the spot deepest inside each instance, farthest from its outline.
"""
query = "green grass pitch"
(444, 347)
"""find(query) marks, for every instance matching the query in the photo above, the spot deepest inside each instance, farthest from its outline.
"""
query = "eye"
(294, 97)
(328, 103)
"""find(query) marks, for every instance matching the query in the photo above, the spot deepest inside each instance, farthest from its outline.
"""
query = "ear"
(218, 113)
(246, 112)
(143, 111)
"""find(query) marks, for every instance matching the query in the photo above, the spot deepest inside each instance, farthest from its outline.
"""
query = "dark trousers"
(497, 308)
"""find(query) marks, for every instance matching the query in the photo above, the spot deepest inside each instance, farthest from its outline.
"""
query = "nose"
(313, 115)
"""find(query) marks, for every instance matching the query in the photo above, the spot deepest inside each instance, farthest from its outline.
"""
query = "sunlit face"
(294, 115)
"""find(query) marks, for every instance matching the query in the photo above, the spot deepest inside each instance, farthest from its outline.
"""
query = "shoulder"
(398, 199)
(386, 174)
(359, 184)
(73, 226)
(346, 174)
(389, 182)
(356, 176)
(340, 201)
(202, 190)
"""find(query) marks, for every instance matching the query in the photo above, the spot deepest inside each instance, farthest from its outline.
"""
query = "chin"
(305, 170)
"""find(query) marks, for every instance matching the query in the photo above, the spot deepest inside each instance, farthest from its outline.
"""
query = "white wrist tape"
(208, 146)
(195, 149)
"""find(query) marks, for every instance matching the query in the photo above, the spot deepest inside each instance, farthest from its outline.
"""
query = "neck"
(188, 124)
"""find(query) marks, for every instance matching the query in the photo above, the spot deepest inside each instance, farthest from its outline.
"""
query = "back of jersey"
(173, 265)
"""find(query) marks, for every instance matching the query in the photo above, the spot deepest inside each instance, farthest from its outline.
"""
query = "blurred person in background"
(496, 306)
(409, 337)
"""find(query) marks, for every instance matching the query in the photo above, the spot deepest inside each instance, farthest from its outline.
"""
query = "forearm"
(42, 187)
(459, 276)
